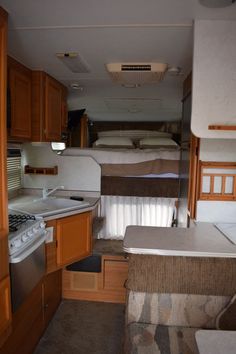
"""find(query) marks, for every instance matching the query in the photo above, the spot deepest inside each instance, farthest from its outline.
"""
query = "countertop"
(92, 200)
(200, 240)
(216, 342)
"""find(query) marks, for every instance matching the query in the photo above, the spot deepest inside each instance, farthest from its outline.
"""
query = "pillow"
(155, 143)
(226, 320)
(134, 134)
(114, 142)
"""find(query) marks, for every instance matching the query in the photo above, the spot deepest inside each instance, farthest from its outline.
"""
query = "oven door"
(26, 269)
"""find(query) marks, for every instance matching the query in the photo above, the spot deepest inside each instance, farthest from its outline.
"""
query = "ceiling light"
(174, 70)
(76, 86)
(216, 3)
(74, 62)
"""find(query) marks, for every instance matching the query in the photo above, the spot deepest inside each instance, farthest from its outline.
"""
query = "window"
(13, 169)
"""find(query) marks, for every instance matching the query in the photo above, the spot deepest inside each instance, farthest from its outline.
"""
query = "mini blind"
(13, 169)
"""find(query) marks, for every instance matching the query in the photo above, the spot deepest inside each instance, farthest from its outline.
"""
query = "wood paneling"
(3, 90)
(5, 314)
(64, 111)
(5, 308)
(51, 249)
(73, 238)
(4, 268)
(38, 106)
(19, 78)
(33, 316)
(27, 325)
(107, 286)
(53, 112)
(52, 289)
(84, 131)
(193, 176)
(115, 274)
(222, 127)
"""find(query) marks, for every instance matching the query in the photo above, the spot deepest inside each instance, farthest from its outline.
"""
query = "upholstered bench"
(167, 323)
(144, 338)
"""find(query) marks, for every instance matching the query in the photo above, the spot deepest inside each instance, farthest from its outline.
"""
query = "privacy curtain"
(120, 212)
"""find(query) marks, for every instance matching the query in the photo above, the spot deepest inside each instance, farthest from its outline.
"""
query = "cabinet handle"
(46, 306)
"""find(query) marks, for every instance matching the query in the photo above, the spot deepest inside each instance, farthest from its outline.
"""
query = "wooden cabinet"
(49, 110)
(19, 85)
(214, 84)
(115, 273)
(33, 316)
(106, 286)
(52, 290)
(73, 238)
(5, 306)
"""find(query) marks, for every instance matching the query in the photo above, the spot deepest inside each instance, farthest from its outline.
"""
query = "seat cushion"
(144, 338)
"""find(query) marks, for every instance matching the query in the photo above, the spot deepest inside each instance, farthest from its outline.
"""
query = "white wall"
(74, 172)
(220, 150)
(214, 77)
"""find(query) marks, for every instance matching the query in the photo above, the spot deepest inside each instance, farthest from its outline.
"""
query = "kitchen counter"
(93, 202)
(200, 240)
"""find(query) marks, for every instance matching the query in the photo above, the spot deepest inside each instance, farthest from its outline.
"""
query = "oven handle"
(25, 253)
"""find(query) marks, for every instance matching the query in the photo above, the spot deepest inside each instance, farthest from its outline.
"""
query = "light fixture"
(174, 70)
(216, 3)
(73, 61)
(76, 86)
(58, 147)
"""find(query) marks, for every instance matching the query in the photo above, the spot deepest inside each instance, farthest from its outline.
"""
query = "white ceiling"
(110, 31)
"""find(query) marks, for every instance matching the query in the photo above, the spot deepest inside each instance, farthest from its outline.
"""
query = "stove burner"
(16, 220)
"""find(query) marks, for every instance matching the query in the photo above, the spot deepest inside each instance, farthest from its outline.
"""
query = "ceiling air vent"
(136, 73)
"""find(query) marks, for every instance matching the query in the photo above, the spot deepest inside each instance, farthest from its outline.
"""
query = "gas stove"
(24, 229)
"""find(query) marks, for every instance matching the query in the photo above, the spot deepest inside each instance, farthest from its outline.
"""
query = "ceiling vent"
(136, 73)
(73, 62)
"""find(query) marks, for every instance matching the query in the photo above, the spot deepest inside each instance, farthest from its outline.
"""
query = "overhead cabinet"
(49, 113)
(19, 101)
(214, 79)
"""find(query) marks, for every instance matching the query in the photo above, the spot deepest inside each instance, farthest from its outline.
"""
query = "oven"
(26, 255)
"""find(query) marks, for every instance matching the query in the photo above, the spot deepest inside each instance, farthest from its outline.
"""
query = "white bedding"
(124, 156)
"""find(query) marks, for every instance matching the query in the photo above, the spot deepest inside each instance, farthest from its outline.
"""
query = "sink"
(48, 206)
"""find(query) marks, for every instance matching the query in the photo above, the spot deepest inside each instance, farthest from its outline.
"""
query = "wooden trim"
(41, 170)
(222, 195)
(3, 128)
(107, 286)
(193, 175)
(84, 131)
(222, 127)
(187, 85)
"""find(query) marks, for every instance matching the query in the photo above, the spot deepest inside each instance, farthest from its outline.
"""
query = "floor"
(83, 327)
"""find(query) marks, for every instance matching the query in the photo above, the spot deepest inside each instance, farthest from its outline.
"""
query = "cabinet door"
(5, 313)
(64, 112)
(115, 273)
(73, 238)
(5, 307)
(53, 113)
(52, 290)
(20, 95)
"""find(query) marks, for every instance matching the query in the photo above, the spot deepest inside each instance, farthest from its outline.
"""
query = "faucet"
(46, 193)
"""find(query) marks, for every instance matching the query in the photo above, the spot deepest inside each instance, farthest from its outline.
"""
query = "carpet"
(84, 327)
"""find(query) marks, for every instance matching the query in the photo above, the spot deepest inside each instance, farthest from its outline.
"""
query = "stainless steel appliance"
(26, 255)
